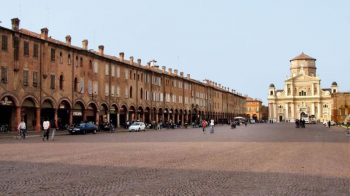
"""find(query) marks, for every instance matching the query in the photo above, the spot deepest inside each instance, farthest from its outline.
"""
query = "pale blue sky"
(245, 45)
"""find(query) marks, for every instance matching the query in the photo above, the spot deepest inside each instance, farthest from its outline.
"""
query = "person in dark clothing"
(297, 123)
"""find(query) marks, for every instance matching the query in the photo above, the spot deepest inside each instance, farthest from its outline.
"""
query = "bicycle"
(22, 134)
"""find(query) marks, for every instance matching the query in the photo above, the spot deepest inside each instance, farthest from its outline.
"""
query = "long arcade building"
(45, 78)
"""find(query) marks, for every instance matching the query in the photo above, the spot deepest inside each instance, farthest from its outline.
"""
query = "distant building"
(341, 107)
(253, 109)
(302, 95)
(42, 77)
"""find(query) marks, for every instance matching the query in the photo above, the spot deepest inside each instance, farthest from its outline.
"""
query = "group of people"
(22, 130)
(206, 123)
(300, 123)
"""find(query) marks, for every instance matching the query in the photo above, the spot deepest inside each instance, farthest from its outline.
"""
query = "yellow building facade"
(302, 95)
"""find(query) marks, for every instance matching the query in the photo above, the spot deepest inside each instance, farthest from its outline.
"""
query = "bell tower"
(303, 64)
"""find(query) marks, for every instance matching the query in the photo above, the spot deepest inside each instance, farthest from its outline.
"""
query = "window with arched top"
(69, 59)
(271, 92)
(61, 82)
(130, 92)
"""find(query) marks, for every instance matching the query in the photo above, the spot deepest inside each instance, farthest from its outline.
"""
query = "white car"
(137, 126)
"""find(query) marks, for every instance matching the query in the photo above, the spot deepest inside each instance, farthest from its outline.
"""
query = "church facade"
(302, 95)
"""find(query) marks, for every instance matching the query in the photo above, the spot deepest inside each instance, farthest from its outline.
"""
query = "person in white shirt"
(22, 129)
(46, 126)
(212, 125)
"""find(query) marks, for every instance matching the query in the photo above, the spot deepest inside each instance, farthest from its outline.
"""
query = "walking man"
(212, 126)
(46, 126)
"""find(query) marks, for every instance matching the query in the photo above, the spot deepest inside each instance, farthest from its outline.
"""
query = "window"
(271, 92)
(53, 51)
(90, 64)
(35, 50)
(113, 70)
(16, 47)
(106, 69)
(117, 91)
(52, 82)
(81, 61)
(81, 88)
(106, 89)
(118, 72)
(75, 84)
(35, 79)
(4, 75)
(76, 63)
(95, 67)
(69, 59)
(25, 77)
(126, 74)
(112, 90)
(130, 93)
(61, 82)
(95, 88)
(26, 48)
(141, 93)
(61, 58)
(4, 42)
(302, 93)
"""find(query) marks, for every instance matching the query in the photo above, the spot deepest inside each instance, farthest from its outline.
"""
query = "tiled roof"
(303, 56)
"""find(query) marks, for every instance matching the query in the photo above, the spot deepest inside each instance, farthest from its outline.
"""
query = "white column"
(292, 112)
(318, 110)
(313, 108)
(286, 114)
(312, 89)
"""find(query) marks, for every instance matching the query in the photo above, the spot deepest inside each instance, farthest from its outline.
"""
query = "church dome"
(303, 56)
(272, 85)
(334, 84)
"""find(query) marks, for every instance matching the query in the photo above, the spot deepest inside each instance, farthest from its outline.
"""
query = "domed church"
(302, 95)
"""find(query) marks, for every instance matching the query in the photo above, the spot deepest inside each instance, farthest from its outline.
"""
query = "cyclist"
(22, 129)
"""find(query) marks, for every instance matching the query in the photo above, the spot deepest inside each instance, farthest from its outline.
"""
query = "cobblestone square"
(260, 159)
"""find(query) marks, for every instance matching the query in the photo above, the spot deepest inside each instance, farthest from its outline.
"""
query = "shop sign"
(77, 113)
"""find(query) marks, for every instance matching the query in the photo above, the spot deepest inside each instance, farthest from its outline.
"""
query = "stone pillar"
(312, 108)
(37, 123)
(55, 118)
(97, 118)
(84, 116)
(118, 120)
(286, 112)
(292, 112)
(18, 117)
(318, 110)
(70, 117)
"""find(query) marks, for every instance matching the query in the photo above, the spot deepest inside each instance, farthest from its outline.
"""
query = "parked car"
(252, 121)
(137, 126)
(83, 128)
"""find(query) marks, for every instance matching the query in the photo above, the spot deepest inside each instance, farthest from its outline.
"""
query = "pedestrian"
(204, 124)
(53, 129)
(329, 124)
(22, 129)
(297, 123)
(46, 126)
(212, 126)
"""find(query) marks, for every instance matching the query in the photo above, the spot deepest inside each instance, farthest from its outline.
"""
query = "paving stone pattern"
(261, 159)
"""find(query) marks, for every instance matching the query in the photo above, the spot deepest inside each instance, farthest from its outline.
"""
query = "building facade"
(341, 107)
(302, 95)
(254, 109)
(42, 77)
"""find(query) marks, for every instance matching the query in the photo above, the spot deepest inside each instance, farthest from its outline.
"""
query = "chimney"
(85, 43)
(68, 39)
(121, 56)
(182, 74)
(163, 68)
(139, 62)
(44, 33)
(188, 76)
(175, 72)
(131, 60)
(170, 71)
(15, 24)
(101, 49)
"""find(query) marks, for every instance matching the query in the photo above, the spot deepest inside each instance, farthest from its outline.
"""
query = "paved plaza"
(260, 159)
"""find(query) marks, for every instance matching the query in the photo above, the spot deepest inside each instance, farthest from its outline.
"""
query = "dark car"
(83, 128)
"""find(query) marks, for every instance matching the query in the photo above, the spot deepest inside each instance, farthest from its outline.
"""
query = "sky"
(242, 44)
